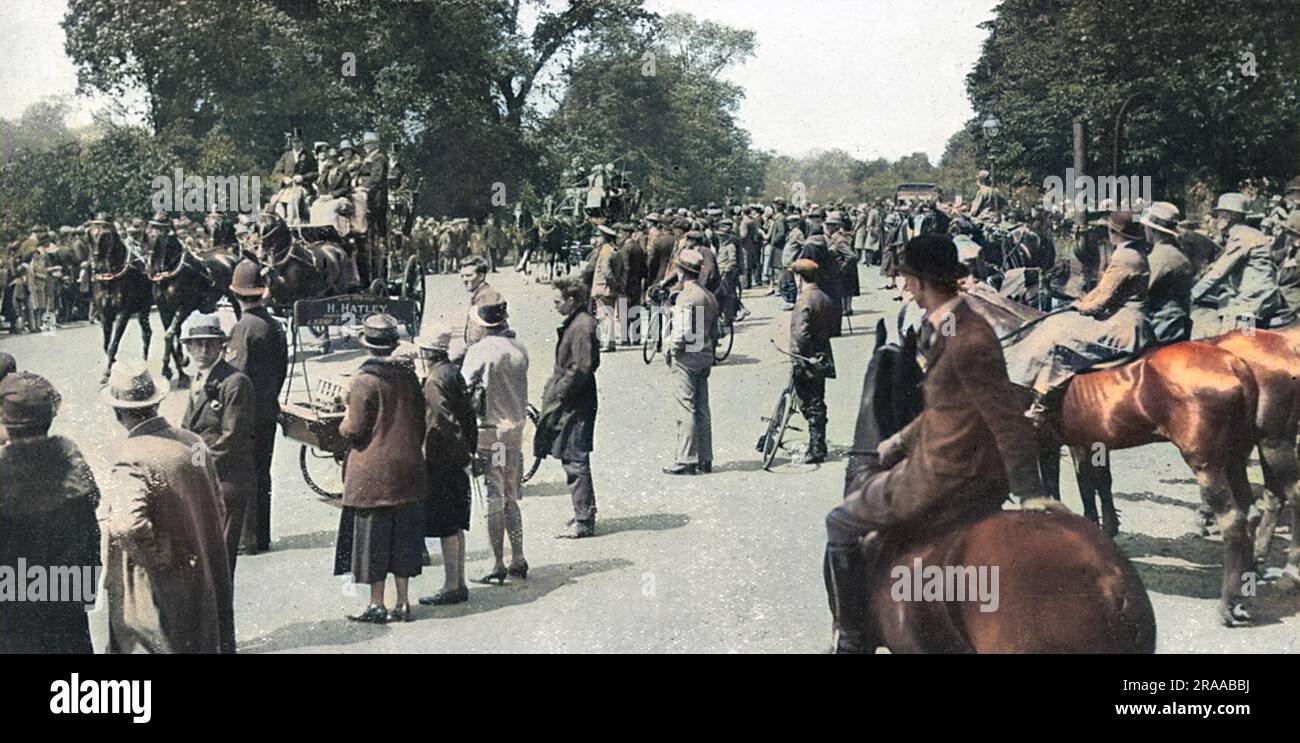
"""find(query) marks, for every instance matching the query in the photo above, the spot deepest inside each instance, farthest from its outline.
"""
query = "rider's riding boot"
(847, 571)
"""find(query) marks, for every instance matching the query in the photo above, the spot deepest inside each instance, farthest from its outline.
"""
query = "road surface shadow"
(542, 579)
(331, 632)
(644, 522)
(1202, 579)
(738, 359)
(309, 541)
(1163, 500)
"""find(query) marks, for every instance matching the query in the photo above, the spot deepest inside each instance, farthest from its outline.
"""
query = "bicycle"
(654, 323)
(726, 336)
(779, 422)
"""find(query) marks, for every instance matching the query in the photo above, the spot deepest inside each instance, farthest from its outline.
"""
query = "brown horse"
(1200, 398)
(1274, 360)
(1051, 582)
(297, 269)
(122, 290)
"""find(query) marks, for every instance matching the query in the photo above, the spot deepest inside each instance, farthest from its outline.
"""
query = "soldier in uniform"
(812, 323)
(690, 356)
(608, 276)
(1241, 285)
(790, 252)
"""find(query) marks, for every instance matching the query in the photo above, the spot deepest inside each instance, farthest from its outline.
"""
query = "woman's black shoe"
(496, 575)
(446, 596)
(400, 613)
(374, 614)
(518, 570)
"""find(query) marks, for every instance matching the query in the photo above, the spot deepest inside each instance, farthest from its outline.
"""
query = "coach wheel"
(321, 471)
(413, 288)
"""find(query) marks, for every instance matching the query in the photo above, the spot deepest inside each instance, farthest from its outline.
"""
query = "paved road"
(724, 563)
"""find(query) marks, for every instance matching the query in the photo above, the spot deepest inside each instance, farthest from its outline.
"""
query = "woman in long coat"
(385, 481)
(48, 498)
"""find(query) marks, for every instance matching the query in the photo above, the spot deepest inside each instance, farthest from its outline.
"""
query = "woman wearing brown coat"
(385, 481)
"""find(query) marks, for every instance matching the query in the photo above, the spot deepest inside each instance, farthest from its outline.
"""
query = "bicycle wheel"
(726, 337)
(776, 429)
(650, 340)
(328, 479)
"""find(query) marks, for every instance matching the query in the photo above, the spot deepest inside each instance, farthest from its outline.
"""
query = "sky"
(877, 78)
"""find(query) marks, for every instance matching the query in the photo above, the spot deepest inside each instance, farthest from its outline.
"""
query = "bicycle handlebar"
(790, 354)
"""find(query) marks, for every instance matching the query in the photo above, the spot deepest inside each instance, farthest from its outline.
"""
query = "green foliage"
(650, 96)
(1196, 115)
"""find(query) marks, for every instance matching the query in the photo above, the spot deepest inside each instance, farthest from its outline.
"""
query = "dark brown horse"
(182, 284)
(1036, 580)
(297, 268)
(1200, 398)
(122, 290)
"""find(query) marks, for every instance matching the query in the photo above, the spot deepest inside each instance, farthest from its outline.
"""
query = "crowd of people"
(420, 430)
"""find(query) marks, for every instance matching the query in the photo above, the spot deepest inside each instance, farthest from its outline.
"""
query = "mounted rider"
(1107, 323)
(953, 464)
(1172, 275)
(1241, 285)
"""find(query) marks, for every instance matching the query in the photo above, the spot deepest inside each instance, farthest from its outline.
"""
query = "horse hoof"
(1234, 615)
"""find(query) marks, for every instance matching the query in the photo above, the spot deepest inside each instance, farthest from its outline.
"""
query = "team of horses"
(180, 282)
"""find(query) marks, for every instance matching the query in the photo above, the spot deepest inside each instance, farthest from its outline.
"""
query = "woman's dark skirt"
(376, 542)
(446, 510)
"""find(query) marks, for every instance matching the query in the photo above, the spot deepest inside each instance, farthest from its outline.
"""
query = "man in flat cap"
(690, 355)
(813, 323)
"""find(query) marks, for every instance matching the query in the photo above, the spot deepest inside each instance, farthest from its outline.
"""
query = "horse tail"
(1249, 396)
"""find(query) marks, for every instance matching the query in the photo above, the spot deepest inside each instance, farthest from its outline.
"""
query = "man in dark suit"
(954, 463)
(258, 349)
(221, 411)
(297, 163)
(567, 423)
(812, 322)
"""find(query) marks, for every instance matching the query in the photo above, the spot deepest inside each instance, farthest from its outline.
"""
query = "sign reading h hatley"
(191, 193)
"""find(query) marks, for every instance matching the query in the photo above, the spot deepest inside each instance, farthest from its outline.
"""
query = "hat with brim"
(379, 331)
(691, 261)
(606, 230)
(199, 326)
(247, 280)
(1124, 225)
(492, 315)
(131, 386)
(1161, 217)
(439, 340)
(931, 258)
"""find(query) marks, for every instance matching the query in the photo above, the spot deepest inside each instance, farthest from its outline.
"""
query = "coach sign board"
(352, 309)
